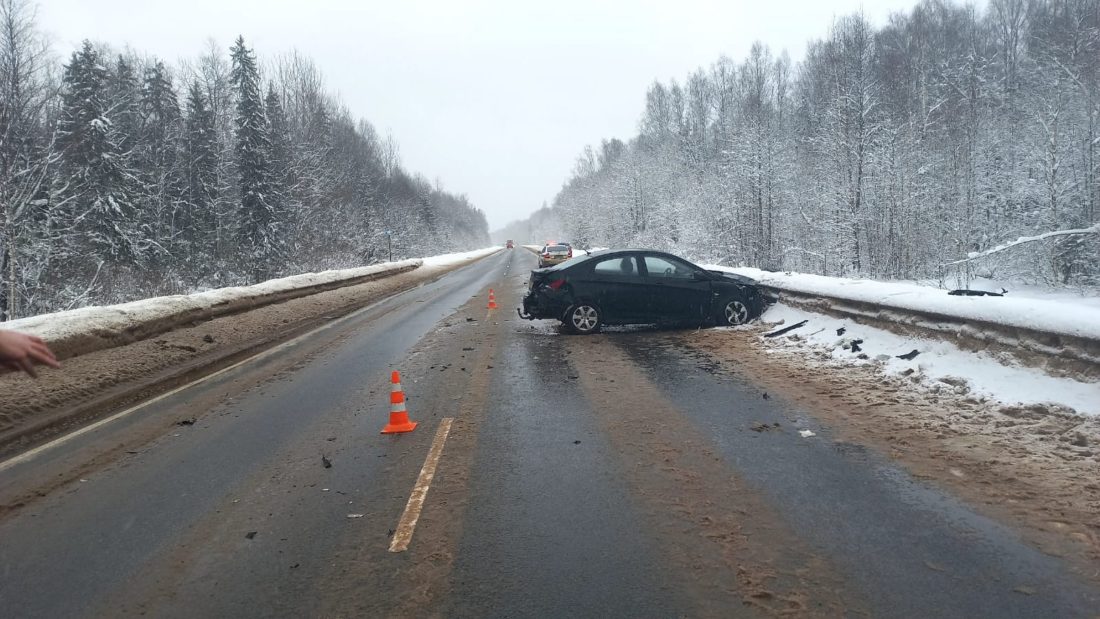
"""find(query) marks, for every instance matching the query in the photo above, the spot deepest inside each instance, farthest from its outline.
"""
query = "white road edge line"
(33, 453)
(405, 527)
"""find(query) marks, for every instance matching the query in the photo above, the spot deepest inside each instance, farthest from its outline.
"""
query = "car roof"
(611, 253)
(634, 250)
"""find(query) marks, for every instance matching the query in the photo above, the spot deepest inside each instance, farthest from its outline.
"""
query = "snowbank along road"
(637, 473)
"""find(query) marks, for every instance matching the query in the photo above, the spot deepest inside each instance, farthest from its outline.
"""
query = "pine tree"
(124, 105)
(257, 226)
(160, 116)
(201, 155)
(278, 156)
(96, 187)
(158, 157)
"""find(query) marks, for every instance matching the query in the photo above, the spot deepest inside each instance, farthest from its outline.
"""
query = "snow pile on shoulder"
(1056, 314)
(78, 331)
(450, 259)
(936, 364)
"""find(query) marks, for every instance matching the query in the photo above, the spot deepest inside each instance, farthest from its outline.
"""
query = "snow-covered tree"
(110, 192)
(257, 227)
(891, 152)
(201, 186)
(95, 184)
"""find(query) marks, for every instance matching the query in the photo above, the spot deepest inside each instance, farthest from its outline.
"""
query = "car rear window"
(552, 248)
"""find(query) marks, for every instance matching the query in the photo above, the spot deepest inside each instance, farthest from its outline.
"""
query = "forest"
(925, 148)
(123, 177)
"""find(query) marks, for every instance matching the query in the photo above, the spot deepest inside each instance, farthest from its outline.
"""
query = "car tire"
(733, 312)
(583, 318)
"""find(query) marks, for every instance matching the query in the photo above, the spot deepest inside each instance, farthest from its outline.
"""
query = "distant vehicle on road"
(510, 244)
(555, 253)
(638, 287)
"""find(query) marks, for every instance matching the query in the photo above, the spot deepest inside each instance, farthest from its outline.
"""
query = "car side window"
(660, 267)
(623, 266)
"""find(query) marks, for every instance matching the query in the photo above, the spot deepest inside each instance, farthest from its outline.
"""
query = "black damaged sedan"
(639, 287)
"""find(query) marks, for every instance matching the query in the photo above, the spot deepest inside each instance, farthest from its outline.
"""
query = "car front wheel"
(583, 318)
(733, 313)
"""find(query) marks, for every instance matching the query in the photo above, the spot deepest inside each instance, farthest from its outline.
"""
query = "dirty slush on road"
(93, 384)
(1034, 467)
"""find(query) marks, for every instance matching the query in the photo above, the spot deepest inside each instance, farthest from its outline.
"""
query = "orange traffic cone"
(492, 299)
(399, 417)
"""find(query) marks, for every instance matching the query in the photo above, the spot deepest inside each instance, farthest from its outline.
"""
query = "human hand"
(19, 352)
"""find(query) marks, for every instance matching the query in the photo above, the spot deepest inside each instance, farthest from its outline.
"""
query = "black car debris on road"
(636, 286)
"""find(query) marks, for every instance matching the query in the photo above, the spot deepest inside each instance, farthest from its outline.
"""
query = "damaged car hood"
(734, 277)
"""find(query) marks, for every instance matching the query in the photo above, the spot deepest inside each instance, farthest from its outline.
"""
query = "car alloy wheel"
(584, 319)
(735, 313)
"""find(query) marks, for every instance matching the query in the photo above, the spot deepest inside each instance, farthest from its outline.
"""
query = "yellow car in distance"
(556, 253)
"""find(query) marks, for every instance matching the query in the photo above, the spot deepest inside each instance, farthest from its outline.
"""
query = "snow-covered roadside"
(445, 260)
(941, 365)
(938, 366)
(1055, 313)
(76, 331)
(85, 329)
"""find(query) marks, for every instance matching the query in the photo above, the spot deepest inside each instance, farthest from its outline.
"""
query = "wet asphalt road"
(552, 498)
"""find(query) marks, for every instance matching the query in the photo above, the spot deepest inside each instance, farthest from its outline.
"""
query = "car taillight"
(546, 255)
(570, 252)
(557, 283)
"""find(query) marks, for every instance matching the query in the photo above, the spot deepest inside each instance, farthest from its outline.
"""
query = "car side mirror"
(696, 276)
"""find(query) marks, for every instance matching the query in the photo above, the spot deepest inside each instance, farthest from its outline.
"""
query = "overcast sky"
(495, 98)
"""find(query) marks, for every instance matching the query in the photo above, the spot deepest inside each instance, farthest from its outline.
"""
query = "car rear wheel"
(583, 318)
(734, 312)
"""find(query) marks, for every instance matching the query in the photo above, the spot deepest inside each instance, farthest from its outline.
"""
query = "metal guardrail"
(124, 330)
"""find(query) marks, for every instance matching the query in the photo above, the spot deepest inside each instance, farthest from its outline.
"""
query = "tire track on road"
(730, 550)
(1014, 464)
(366, 579)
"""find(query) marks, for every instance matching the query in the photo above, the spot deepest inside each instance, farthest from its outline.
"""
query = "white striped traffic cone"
(399, 417)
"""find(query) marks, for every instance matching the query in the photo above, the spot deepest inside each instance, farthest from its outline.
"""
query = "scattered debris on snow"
(785, 329)
(976, 293)
(942, 366)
